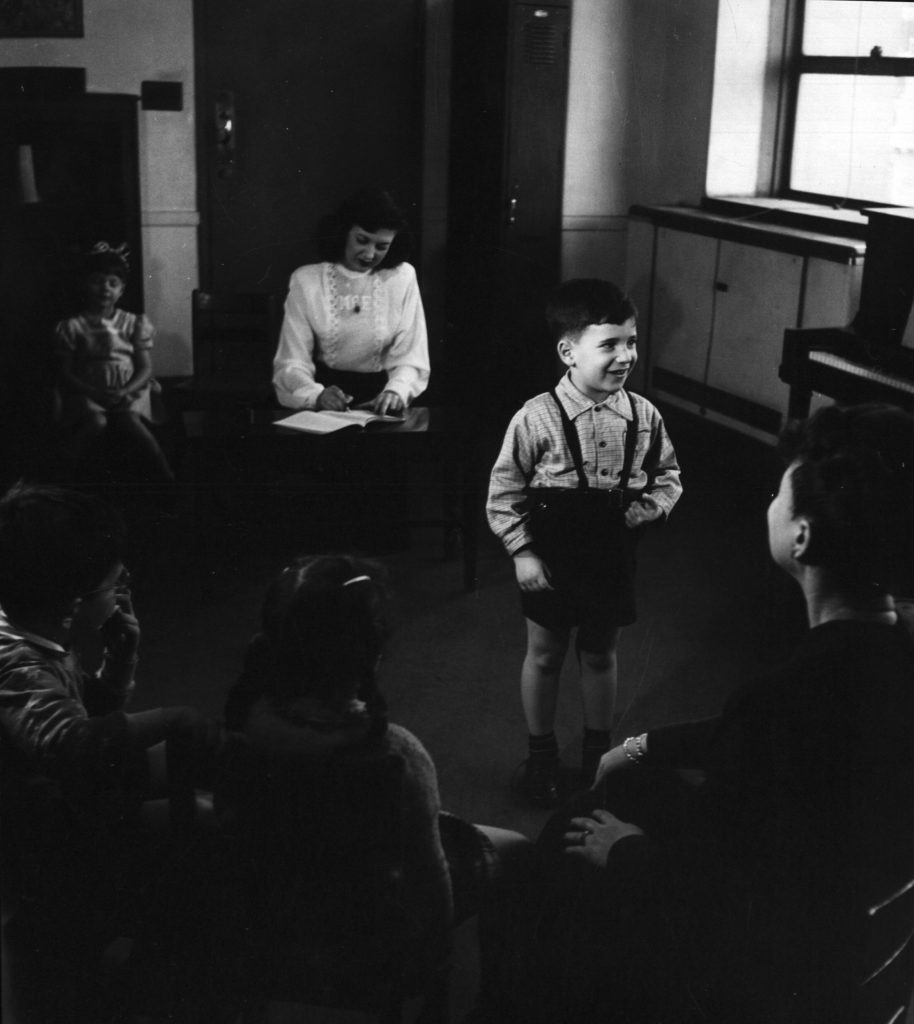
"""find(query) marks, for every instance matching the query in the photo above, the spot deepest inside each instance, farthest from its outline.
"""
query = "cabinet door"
(682, 305)
(832, 292)
(757, 295)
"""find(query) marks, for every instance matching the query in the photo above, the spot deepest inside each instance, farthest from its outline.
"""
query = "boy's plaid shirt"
(535, 454)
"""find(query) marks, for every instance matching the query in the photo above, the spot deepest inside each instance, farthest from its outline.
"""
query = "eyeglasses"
(121, 583)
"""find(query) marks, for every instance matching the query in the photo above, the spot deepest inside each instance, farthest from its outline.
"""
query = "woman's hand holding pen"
(334, 399)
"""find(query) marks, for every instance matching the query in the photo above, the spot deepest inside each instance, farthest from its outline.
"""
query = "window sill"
(819, 217)
(745, 224)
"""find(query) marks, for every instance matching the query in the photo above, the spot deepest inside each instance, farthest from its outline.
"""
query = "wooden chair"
(887, 970)
(234, 340)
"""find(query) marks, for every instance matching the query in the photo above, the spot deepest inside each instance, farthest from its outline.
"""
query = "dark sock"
(596, 743)
(544, 749)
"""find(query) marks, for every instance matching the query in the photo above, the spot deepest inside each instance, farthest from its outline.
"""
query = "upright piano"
(871, 359)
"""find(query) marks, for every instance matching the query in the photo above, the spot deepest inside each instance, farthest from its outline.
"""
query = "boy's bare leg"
(599, 677)
(597, 656)
(539, 678)
(539, 693)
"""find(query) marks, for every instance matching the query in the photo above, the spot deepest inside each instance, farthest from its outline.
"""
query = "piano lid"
(887, 292)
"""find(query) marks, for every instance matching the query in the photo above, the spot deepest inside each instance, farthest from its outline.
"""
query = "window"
(814, 100)
(850, 130)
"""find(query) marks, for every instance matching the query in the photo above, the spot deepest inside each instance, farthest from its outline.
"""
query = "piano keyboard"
(864, 372)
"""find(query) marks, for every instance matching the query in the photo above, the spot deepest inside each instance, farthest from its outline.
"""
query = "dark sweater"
(805, 817)
(745, 899)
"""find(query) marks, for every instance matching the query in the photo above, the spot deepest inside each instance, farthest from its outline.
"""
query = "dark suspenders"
(574, 445)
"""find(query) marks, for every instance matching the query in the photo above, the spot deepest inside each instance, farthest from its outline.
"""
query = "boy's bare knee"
(547, 660)
(598, 661)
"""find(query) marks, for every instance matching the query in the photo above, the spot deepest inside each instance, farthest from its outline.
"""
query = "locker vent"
(540, 43)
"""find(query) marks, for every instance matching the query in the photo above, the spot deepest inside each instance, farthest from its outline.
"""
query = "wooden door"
(299, 102)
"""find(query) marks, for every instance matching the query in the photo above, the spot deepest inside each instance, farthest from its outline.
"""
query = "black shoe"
(540, 784)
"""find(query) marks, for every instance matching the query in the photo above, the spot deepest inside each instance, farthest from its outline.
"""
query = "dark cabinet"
(509, 101)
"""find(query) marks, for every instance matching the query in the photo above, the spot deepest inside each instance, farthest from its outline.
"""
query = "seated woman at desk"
(354, 328)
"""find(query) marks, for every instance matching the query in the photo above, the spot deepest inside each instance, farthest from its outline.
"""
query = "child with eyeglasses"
(86, 785)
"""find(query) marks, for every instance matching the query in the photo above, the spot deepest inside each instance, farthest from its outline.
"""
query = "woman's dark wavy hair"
(854, 479)
(582, 301)
(371, 209)
(318, 638)
(55, 545)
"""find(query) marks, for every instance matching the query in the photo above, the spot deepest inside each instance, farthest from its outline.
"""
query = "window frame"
(786, 41)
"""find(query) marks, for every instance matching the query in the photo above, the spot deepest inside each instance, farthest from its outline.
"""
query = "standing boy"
(582, 469)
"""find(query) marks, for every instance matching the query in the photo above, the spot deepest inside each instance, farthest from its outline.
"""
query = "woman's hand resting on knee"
(591, 838)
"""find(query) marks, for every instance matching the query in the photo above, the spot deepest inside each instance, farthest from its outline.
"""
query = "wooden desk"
(231, 450)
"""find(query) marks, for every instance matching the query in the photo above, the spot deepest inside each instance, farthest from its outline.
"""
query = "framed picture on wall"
(46, 19)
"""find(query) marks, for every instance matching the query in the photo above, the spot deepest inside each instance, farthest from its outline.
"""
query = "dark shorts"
(590, 555)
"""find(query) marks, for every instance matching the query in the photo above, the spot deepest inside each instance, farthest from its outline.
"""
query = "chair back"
(234, 340)
(887, 974)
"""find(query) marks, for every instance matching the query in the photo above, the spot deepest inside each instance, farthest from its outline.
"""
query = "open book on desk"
(327, 420)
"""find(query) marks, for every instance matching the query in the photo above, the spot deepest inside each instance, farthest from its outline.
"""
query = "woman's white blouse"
(360, 322)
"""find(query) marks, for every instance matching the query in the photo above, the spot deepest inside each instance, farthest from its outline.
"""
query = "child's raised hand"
(644, 510)
(121, 631)
(531, 571)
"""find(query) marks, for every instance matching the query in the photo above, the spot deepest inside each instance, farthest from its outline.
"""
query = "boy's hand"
(644, 510)
(531, 571)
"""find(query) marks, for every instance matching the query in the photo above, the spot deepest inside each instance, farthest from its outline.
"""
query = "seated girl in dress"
(354, 328)
(104, 365)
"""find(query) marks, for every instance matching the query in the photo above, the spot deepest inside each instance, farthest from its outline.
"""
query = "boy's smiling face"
(602, 358)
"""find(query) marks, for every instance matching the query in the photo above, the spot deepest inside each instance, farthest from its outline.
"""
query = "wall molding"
(593, 222)
(171, 218)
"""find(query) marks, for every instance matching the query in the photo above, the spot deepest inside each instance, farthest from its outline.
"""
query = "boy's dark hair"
(371, 209)
(582, 301)
(324, 623)
(103, 259)
(854, 480)
(55, 546)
